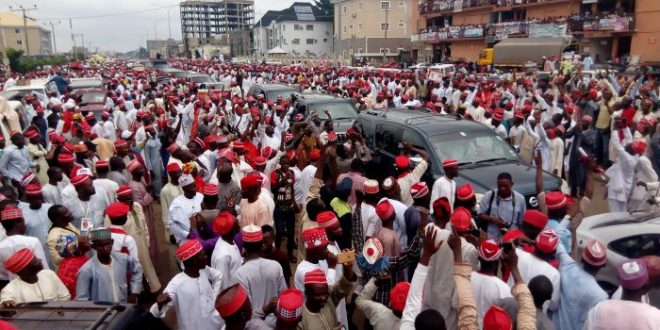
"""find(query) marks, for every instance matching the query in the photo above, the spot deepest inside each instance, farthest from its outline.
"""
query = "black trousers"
(285, 220)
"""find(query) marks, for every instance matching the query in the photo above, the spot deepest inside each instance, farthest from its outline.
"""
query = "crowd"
(237, 176)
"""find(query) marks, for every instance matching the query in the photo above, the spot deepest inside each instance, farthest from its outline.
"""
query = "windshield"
(200, 79)
(93, 98)
(284, 93)
(472, 147)
(338, 110)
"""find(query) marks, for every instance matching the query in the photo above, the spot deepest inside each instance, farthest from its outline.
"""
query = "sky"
(123, 32)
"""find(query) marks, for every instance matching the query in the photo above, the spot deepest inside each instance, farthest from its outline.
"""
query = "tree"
(14, 57)
(142, 53)
(325, 6)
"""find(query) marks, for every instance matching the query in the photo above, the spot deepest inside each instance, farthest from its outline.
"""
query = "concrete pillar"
(615, 47)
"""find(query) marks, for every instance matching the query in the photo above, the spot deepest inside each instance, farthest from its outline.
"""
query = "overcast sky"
(120, 32)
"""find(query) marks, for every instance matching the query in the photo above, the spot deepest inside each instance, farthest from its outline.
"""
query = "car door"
(388, 136)
(418, 141)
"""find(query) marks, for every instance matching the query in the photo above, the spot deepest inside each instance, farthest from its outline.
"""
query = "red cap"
(200, 142)
(489, 250)
(398, 296)
(498, 116)
(315, 276)
(124, 191)
(402, 162)
(547, 241)
(519, 115)
(259, 161)
(327, 219)
(252, 234)
(188, 249)
(231, 300)
(173, 167)
(419, 190)
(595, 253)
(116, 210)
(65, 158)
(535, 219)
(461, 219)
(449, 163)
(497, 318)
(385, 210)
(332, 136)
(79, 180)
(442, 204)
(314, 155)
(249, 181)
(119, 143)
(267, 152)
(314, 237)
(33, 189)
(133, 165)
(464, 192)
(370, 186)
(19, 260)
(512, 235)
(238, 145)
(210, 189)
(555, 200)
(223, 223)
(11, 212)
(290, 304)
(102, 164)
(31, 134)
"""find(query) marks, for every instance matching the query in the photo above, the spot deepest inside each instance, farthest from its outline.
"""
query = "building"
(458, 30)
(13, 35)
(370, 26)
(302, 29)
(165, 47)
(212, 21)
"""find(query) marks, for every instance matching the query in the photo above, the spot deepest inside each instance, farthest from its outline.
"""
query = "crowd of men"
(237, 176)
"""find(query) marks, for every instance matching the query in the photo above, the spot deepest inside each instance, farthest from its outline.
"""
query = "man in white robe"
(445, 186)
(34, 283)
(622, 172)
(182, 208)
(14, 225)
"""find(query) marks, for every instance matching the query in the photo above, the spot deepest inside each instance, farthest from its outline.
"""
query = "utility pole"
(52, 29)
(25, 31)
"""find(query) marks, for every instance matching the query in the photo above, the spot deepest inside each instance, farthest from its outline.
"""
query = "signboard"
(458, 6)
(621, 24)
(454, 32)
(606, 23)
(473, 32)
(548, 30)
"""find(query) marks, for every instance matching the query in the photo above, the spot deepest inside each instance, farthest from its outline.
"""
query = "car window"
(637, 246)
(338, 110)
(416, 140)
(470, 147)
(284, 93)
(93, 97)
(388, 137)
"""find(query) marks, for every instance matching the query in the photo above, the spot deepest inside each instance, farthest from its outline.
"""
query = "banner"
(455, 32)
(458, 6)
(473, 32)
(622, 23)
(606, 23)
(548, 30)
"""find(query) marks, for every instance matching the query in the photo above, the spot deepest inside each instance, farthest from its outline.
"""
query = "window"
(360, 27)
(360, 5)
(345, 9)
(402, 4)
(634, 247)
(19, 42)
(17, 30)
(295, 41)
(384, 26)
(388, 137)
(400, 25)
(311, 41)
(297, 27)
(283, 27)
(344, 28)
(385, 5)
(359, 50)
(325, 40)
(309, 27)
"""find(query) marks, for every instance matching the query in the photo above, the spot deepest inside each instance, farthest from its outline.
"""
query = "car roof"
(316, 98)
(426, 121)
(273, 87)
(614, 225)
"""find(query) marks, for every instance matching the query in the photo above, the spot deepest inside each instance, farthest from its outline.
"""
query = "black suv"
(272, 91)
(481, 153)
(343, 111)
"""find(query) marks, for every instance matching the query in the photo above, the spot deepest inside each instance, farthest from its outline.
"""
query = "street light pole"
(169, 22)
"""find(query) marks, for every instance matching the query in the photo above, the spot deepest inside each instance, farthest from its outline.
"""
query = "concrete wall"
(467, 50)
(646, 39)
(363, 18)
(372, 45)
(321, 36)
(471, 17)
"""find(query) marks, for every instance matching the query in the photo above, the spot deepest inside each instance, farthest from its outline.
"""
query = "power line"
(105, 15)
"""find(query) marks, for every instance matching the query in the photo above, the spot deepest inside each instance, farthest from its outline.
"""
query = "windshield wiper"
(490, 160)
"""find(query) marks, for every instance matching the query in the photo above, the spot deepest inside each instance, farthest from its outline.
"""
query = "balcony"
(558, 27)
(433, 7)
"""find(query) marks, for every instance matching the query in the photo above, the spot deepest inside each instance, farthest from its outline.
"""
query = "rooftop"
(9, 19)
(297, 12)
